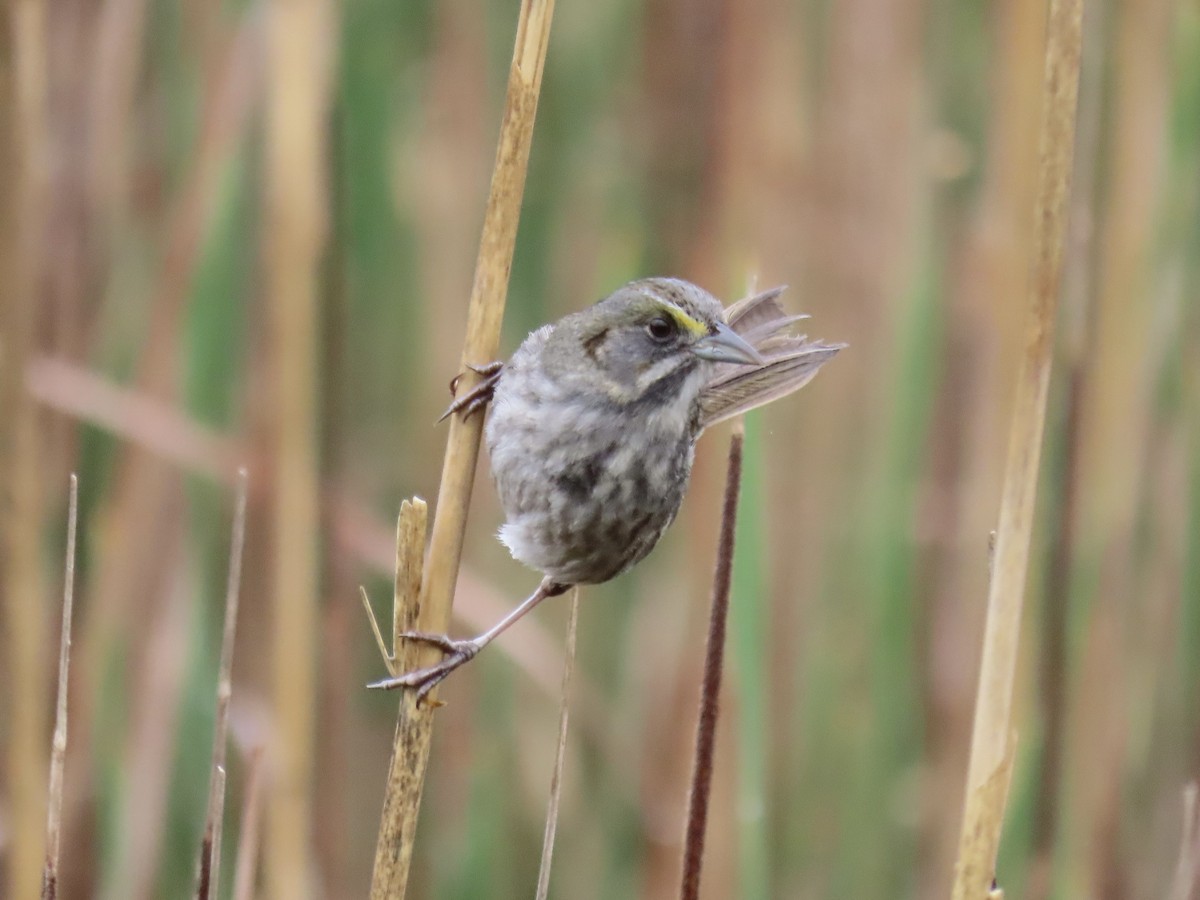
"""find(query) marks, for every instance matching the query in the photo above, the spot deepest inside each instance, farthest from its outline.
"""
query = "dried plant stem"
(210, 852)
(486, 310)
(992, 738)
(714, 658)
(246, 871)
(429, 610)
(1075, 359)
(209, 879)
(58, 748)
(299, 48)
(402, 796)
(543, 884)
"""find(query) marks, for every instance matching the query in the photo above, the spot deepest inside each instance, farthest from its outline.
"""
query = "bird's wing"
(791, 360)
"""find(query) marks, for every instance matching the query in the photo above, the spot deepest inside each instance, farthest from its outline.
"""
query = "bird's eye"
(661, 329)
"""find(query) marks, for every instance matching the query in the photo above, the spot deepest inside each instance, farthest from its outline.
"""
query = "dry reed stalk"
(210, 851)
(401, 801)
(21, 447)
(714, 657)
(1076, 352)
(992, 740)
(246, 871)
(209, 880)
(299, 46)
(560, 752)
(486, 310)
(58, 748)
(410, 754)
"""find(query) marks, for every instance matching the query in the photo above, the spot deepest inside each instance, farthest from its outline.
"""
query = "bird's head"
(650, 341)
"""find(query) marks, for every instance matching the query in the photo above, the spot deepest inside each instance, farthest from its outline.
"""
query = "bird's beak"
(726, 345)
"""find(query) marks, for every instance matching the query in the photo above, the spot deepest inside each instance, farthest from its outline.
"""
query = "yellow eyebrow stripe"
(684, 321)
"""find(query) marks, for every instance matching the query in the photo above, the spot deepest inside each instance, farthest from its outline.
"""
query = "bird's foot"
(458, 653)
(480, 395)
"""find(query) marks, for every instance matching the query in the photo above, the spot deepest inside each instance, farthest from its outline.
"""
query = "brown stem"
(58, 749)
(714, 658)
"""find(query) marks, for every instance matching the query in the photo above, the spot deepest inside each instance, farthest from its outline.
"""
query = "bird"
(592, 427)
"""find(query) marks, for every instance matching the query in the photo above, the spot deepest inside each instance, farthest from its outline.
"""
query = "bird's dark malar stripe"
(666, 390)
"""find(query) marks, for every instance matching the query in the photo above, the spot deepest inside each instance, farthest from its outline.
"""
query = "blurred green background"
(182, 267)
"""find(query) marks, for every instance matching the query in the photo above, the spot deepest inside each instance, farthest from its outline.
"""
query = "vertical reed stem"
(714, 660)
(992, 737)
(431, 608)
(486, 310)
(1076, 351)
(299, 46)
(410, 751)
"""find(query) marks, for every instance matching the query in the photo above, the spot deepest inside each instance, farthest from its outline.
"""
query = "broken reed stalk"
(209, 878)
(402, 796)
(992, 740)
(58, 748)
(429, 609)
(714, 659)
(543, 883)
(245, 873)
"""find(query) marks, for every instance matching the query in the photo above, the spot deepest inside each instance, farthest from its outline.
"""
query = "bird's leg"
(479, 396)
(459, 653)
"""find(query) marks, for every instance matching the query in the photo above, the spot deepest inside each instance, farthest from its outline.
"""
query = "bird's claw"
(425, 680)
(480, 395)
(486, 371)
(443, 642)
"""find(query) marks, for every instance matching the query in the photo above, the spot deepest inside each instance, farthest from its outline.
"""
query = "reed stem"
(429, 609)
(992, 740)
